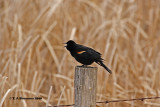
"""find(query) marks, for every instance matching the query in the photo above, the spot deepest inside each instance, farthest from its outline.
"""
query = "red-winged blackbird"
(85, 55)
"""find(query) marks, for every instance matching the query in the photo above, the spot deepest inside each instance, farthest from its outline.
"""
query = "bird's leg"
(84, 65)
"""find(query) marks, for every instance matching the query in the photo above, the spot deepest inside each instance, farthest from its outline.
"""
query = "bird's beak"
(65, 43)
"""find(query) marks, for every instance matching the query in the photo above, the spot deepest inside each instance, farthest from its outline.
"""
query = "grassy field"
(34, 62)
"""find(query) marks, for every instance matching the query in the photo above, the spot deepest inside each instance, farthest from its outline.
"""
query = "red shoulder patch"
(80, 52)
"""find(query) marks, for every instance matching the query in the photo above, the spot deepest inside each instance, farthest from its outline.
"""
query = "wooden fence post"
(85, 84)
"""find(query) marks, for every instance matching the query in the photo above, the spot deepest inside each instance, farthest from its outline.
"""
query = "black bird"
(85, 55)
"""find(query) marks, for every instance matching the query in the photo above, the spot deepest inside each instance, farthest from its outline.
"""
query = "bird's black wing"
(88, 55)
(89, 52)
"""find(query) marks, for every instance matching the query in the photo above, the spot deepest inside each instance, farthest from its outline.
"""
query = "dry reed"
(34, 63)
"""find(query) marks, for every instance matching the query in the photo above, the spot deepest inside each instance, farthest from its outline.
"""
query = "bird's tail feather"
(101, 64)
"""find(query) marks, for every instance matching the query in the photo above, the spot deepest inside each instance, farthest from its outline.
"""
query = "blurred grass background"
(33, 61)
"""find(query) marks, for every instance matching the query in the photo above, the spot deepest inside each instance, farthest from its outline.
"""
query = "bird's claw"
(84, 65)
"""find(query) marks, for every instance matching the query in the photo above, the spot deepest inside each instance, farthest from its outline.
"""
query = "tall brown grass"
(34, 63)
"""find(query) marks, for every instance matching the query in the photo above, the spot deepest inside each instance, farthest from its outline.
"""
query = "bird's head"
(70, 45)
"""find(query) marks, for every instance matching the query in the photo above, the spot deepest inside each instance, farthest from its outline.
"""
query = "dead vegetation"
(33, 61)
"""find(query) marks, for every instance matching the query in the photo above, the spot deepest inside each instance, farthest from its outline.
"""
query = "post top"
(85, 67)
